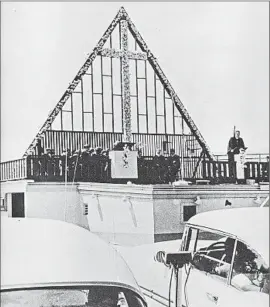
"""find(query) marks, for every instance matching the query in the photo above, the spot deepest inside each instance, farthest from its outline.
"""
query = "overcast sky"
(216, 56)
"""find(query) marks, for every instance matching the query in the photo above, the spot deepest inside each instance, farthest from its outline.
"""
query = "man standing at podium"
(173, 165)
(234, 146)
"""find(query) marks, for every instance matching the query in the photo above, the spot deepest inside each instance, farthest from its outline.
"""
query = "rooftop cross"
(125, 55)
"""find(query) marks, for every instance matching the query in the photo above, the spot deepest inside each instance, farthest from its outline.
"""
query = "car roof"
(250, 225)
(43, 252)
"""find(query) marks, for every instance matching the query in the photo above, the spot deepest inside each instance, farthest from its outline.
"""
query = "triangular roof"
(148, 55)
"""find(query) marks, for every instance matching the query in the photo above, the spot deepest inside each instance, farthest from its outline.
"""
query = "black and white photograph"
(134, 164)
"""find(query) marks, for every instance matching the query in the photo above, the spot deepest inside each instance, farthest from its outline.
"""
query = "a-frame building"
(121, 93)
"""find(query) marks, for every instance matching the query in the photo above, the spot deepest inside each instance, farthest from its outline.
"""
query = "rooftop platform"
(41, 169)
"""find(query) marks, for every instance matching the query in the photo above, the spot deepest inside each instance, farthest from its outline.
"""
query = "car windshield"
(96, 296)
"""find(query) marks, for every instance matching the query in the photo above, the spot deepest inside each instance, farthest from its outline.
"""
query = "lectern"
(124, 161)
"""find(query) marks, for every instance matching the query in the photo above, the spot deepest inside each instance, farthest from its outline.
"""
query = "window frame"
(231, 271)
(186, 241)
(185, 244)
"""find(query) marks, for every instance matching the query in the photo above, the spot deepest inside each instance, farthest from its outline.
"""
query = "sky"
(216, 56)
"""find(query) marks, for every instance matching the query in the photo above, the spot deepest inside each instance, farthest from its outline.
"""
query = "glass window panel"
(117, 100)
(56, 125)
(116, 38)
(97, 113)
(77, 111)
(87, 93)
(169, 116)
(67, 105)
(88, 122)
(131, 42)
(141, 97)
(107, 94)
(108, 123)
(186, 129)
(140, 68)
(150, 80)
(116, 76)
(178, 125)
(160, 98)
(134, 114)
(176, 112)
(151, 115)
(106, 65)
(97, 74)
(142, 124)
(132, 73)
(67, 121)
(160, 124)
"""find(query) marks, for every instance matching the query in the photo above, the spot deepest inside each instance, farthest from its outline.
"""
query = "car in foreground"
(52, 263)
(265, 203)
(230, 258)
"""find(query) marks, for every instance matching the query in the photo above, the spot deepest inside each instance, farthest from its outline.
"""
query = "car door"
(202, 286)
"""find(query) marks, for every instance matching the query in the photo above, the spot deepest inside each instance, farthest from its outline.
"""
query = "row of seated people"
(91, 164)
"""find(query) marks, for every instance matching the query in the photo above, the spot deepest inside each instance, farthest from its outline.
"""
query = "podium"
(124, 162)
(240, 160)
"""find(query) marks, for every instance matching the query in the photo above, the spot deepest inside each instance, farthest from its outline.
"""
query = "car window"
(250, 271)
(96, 296)
(212, 252)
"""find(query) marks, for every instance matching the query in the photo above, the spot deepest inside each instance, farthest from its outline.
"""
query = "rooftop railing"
(250, 157)
(13, 170)
(97, 169)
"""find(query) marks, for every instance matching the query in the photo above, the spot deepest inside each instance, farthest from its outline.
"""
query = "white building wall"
(49, 200)
(120, 217)
(169, 206)
(126, 214)
(55, 201)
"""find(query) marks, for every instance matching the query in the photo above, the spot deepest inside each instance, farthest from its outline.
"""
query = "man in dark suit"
(173, 165)
(235, 144)
(158, 167)
(85, 162)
